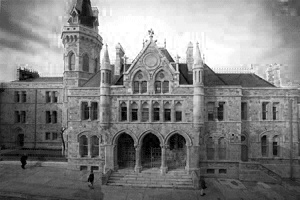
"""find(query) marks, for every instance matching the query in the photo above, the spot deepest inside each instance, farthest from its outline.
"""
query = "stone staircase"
(151, 178)
(272, 174)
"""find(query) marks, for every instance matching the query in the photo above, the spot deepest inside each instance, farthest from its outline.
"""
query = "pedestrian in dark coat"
(91, 180)
(202, 186)
(23, 160)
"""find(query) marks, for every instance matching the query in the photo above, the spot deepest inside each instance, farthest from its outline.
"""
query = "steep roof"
(166, 54)
(85, 11)
(211, 78)
(245, 80)
(94, 81)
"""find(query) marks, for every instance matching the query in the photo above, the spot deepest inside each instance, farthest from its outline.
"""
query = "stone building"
(156, 112)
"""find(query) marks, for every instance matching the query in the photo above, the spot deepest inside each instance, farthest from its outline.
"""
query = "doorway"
(151, 151)
(126, 151)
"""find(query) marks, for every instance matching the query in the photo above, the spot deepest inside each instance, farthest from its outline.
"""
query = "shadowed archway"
(151, 151)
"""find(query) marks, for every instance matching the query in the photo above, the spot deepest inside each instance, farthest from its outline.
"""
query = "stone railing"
(195, 179)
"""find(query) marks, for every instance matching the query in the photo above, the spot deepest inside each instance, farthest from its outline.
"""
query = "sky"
(231, 33)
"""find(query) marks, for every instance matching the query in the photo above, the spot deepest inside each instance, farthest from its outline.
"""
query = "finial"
(177, 58)
(151, 33)
(166, 44)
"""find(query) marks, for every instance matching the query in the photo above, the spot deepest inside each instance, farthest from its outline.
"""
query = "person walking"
(23, 160)
(202, 186)
(91, 180)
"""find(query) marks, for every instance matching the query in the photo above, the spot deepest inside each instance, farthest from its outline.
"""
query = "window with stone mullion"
(165, 86)
(123, 112)
(94, 111)
(144, 87)
(157, 87)
(167, 115)
(136, 87)
(85, 111)
(155, 114)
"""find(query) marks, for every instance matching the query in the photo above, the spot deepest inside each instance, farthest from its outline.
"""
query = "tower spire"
(197, 57)
(105, 60)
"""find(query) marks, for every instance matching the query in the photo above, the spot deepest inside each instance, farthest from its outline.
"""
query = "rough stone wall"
(255, 127)
(35, 105)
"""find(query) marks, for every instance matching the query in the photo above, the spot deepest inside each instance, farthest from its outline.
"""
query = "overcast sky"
(230, 32)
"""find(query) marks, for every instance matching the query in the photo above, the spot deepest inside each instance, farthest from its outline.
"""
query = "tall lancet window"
(71, 61)
(85, 63)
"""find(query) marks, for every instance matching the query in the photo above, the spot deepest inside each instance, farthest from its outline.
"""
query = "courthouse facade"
(155, 112)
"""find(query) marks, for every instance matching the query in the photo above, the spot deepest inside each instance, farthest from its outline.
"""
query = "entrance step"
(151, 178)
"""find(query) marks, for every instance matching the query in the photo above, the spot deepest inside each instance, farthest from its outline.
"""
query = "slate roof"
(245, 80)
(167, 54)
(94, 81)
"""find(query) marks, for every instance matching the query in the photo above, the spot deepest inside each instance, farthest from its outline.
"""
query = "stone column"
(138, 166)
(109, 157)
(187, 165)
(163, 167)
(89, 146)
(173, 111)
(128, 111)
(150, 111)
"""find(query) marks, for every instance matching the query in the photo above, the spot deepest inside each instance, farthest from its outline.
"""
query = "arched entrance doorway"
(125, 151)
(244, 149)
(151, 151)
(176, 153)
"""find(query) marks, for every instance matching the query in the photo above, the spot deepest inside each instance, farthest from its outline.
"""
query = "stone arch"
(114, 140)
(187, 138)
(86, 133)
(143, 71)
(157, 134)
(71, 57)
(269, 135)
(162, 69)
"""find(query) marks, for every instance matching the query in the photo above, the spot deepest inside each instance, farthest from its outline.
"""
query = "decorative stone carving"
(151, 60)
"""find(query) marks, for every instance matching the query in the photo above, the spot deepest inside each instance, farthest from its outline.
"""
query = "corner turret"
(82, 44)
(105, 90)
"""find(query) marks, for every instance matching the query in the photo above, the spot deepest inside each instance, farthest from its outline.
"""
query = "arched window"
(161, 84)
(157, 86)
(94, 146)
(178, 112)
(83, 146)
(96, 65)
(134, 112)
(144, 87)
(210, 149)
(136, 87)
(156, 111)
(123, 112)
(222, 148)
(71, 61)
(167, 112)
(275, 145)
(145, 112)
(264, 146)
(85, 63)
(139, 83)
(165, 86)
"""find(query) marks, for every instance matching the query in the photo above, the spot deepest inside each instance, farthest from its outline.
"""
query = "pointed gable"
(151, 57)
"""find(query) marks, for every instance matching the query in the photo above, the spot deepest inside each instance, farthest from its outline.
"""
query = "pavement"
(52, 181)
